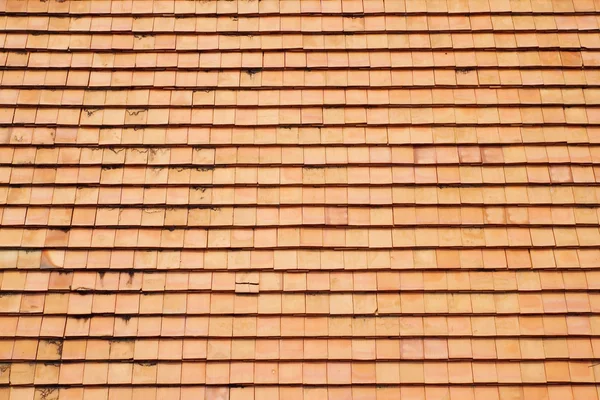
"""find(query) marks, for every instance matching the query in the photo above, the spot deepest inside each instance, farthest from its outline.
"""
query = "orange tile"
(504, 172)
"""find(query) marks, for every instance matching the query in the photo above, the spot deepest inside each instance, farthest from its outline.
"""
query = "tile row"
(307, 154)
(162, 7)
(275, 326)
(307, 23)
(177, 196)
(464, 60)
(297, 238)
(513, 40)
(293, 136)
(301, 281)
(303, 237)
(291, 392)
(285, 392)
(309, 349)
(300, 303)
(307, 373)
(246, 178)
(303, 97)
(312, 79)
(305, 116)
(273, 216)
(301, 259)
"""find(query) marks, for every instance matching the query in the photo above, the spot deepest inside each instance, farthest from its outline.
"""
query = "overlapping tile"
(337, 199)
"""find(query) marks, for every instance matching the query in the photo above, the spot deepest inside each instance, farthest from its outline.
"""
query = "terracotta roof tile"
(217, 200)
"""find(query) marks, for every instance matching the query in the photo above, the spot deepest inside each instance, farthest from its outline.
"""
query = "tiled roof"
(300, 200)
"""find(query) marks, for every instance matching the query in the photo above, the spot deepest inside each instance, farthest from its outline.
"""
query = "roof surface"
(315, 200)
